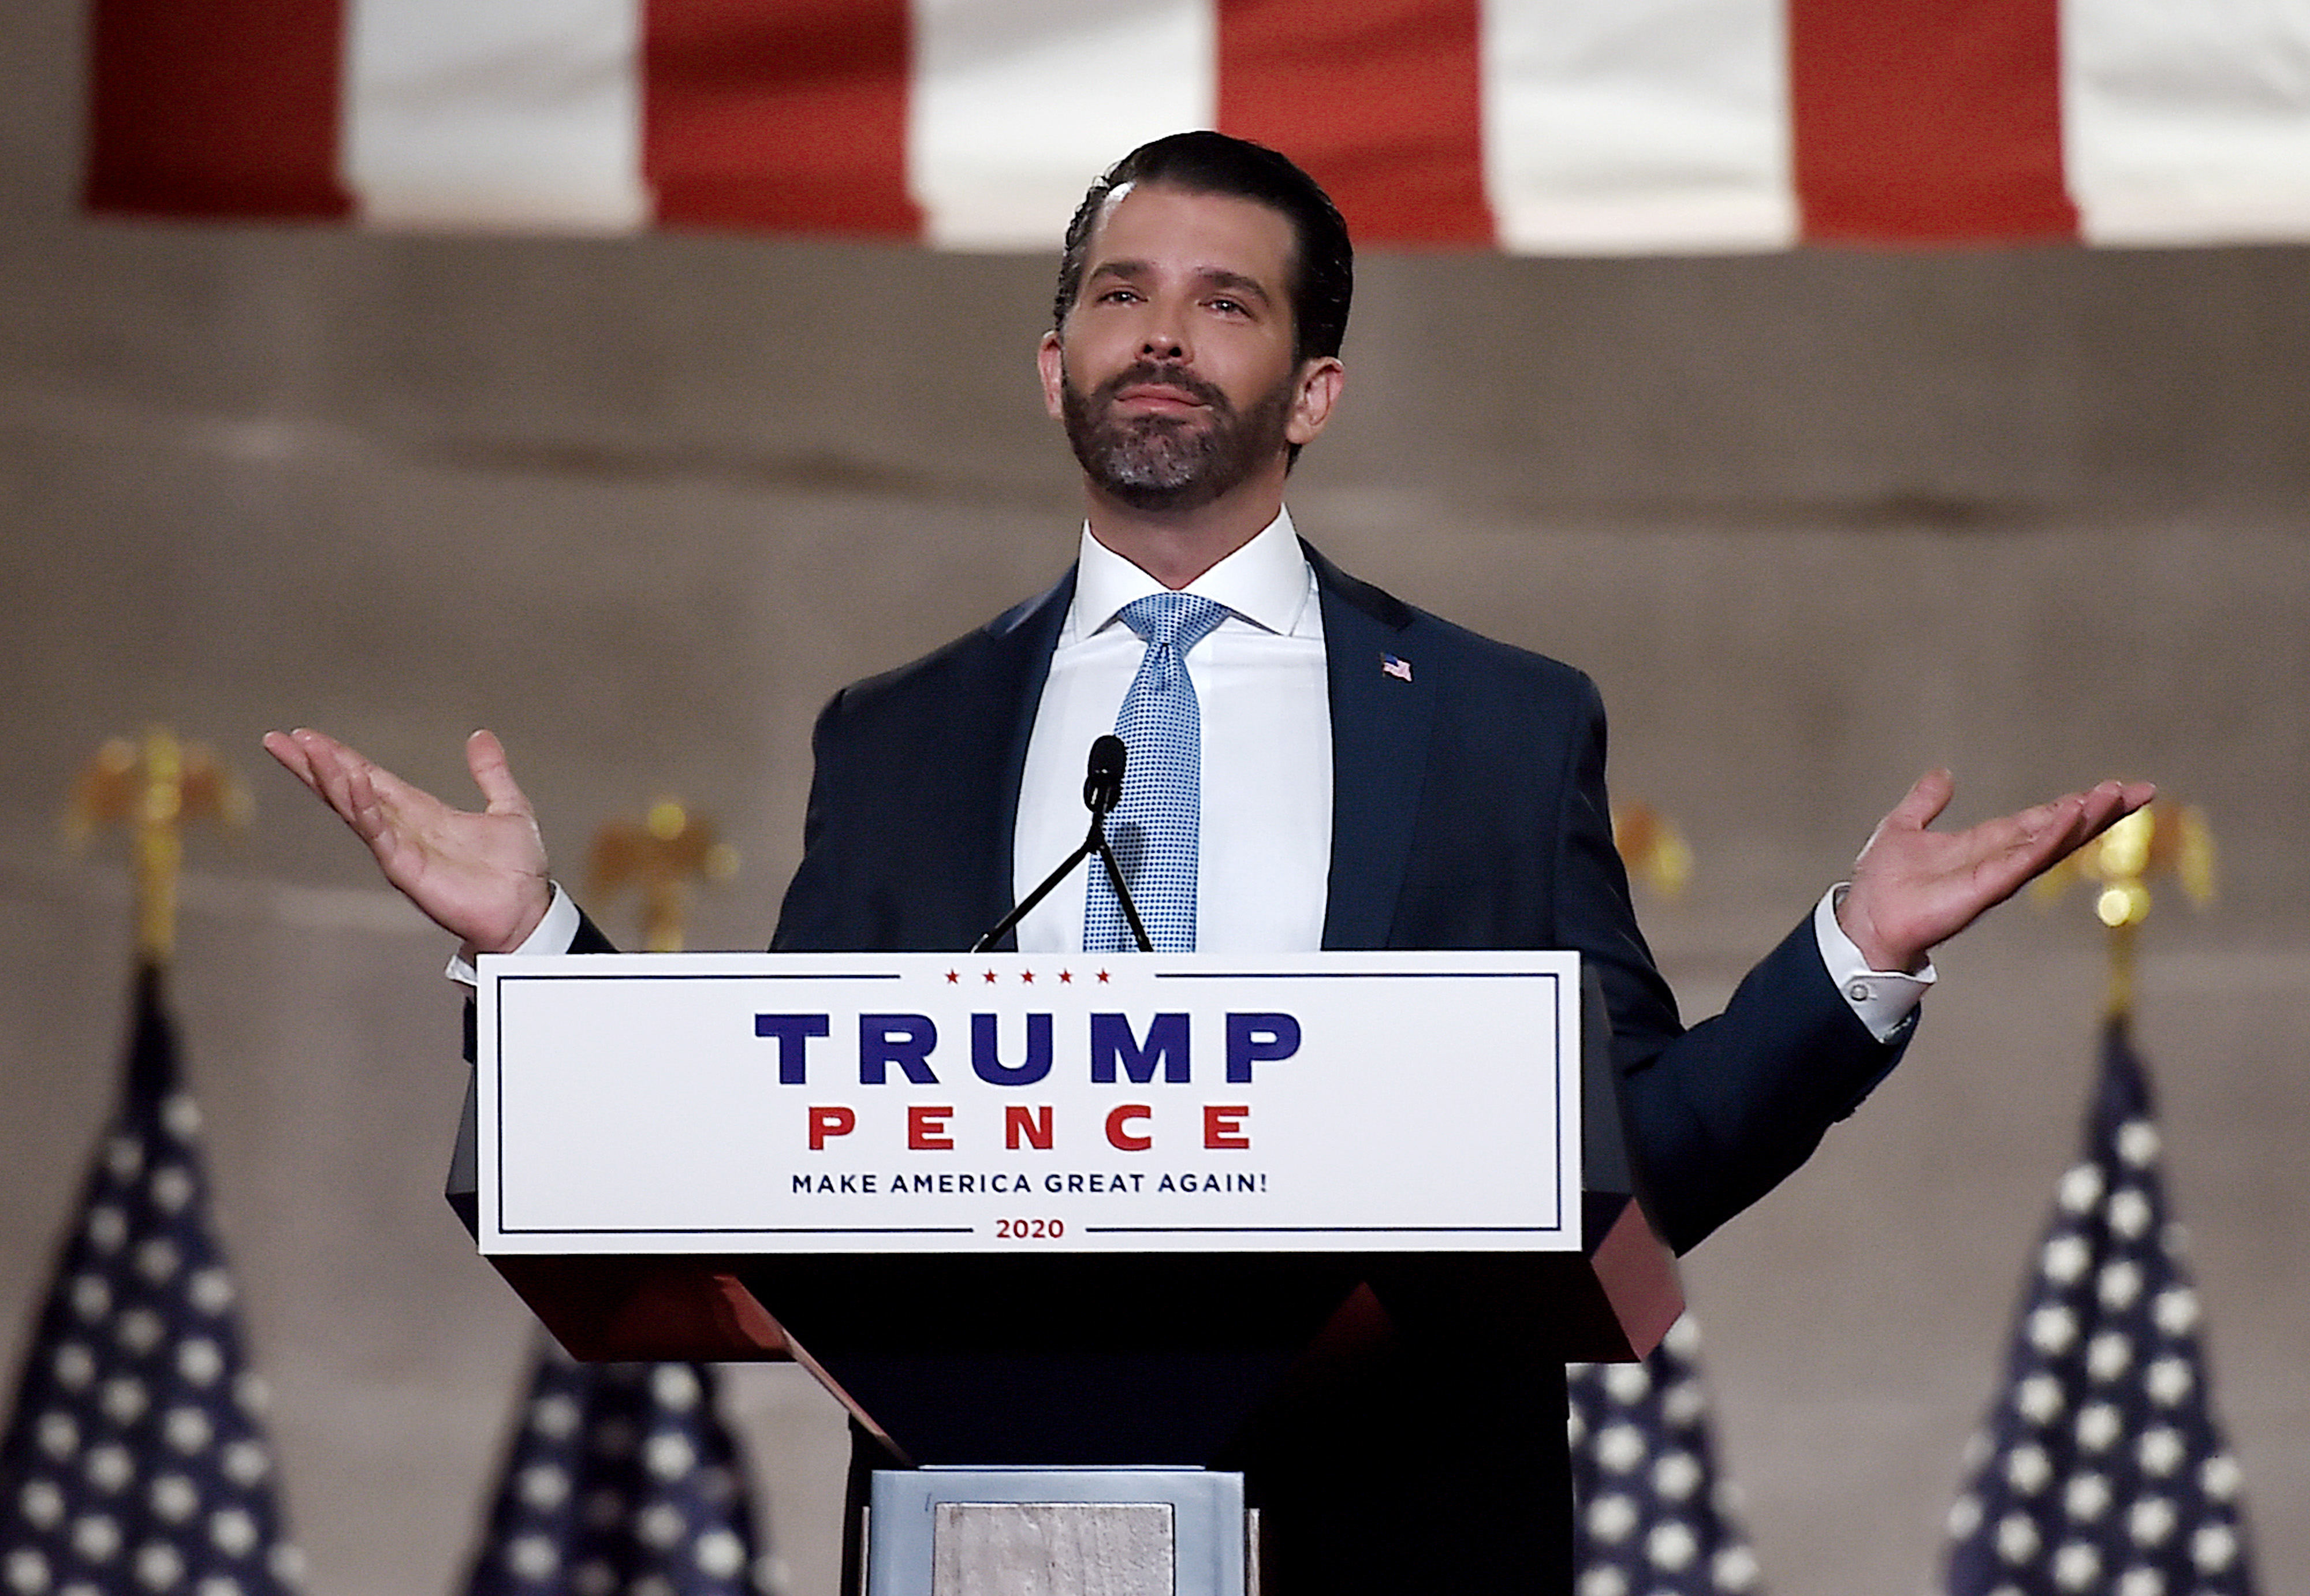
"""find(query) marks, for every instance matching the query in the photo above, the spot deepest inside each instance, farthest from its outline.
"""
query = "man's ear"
(1051, 362)
(1321, 380)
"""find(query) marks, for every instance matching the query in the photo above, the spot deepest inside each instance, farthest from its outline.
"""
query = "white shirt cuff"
(1881, 1000)
(554, 934)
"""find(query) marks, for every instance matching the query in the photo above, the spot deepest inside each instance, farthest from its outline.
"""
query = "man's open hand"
(480, 877)
(1912, 888)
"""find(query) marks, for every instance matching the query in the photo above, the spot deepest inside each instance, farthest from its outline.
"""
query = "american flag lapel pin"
(1391, 665)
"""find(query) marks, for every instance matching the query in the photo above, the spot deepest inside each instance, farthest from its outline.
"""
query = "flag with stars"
(1652, 1516)
(136, 1459)
(621, 1481)
(2100, 1468)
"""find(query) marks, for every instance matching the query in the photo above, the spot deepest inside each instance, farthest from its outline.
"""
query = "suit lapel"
(1379, 752)
(1016, 664)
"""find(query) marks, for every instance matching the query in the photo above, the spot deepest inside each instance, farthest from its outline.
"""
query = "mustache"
(1146, 372)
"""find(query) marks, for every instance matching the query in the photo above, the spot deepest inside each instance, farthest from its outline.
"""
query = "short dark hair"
(1323, 275)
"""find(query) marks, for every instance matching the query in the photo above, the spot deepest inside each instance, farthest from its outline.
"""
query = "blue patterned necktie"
(1155, 830)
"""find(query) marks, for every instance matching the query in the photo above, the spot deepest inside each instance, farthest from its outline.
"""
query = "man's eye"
(1229, 307)
(1118, 296)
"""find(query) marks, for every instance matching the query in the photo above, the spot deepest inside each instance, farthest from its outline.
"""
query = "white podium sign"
(937, 1103)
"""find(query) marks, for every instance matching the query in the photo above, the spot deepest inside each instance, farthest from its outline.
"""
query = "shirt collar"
(1265, 582)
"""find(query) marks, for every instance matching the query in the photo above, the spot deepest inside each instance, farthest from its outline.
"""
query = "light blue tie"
(1155, 830)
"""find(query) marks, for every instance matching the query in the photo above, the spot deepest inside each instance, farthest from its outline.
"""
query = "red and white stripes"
(1538, 126)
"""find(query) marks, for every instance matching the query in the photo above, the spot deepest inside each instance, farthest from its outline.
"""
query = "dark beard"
(1172, 463)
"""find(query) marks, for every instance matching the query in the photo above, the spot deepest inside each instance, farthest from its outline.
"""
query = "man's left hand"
(1914, 889)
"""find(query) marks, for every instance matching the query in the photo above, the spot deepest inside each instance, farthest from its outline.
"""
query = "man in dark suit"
(1368, 776)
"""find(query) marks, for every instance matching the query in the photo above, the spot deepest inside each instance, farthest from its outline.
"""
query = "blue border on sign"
(497, 1086)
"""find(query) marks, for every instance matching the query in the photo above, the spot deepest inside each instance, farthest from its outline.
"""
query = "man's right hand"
(480, 877)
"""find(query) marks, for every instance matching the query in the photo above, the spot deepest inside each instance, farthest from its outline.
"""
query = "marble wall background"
(1815, 521)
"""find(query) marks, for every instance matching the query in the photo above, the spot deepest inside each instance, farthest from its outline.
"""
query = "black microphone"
(1102, 791)
(1103, 782)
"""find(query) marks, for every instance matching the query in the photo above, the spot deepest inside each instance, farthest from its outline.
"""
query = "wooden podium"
(646, 1204)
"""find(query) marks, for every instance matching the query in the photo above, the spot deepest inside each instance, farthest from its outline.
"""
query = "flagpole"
(2161, 840)
(660, 853)
(152, 789)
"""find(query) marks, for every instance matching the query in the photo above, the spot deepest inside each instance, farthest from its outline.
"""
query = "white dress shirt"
(1264, 840)
(1263, 869)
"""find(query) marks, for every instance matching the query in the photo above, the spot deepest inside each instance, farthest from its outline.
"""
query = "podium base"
(1151, 1532)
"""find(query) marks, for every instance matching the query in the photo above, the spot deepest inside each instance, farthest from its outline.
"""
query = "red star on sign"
(1066, 977)
(1102, 977)
(990, 978)
(953, 976)
(1027, 977)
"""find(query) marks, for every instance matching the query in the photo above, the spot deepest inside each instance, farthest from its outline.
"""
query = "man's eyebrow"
(1221, 277)
(1118, 268)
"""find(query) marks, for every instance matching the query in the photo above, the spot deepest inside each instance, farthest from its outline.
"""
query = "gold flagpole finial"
(1652, 847)
(2162, 839)
(660, 853)
(152, 787)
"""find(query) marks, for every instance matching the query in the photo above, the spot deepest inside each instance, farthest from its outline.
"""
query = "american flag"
(2100, 1468)
(1556, 126)
(621, 1481)
(135, 1459)
(1653, 1517)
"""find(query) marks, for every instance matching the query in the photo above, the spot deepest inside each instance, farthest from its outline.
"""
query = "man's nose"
(1162, 341)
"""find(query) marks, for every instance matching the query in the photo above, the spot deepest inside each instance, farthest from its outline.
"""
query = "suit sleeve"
(1719, 1113)
(807, 916)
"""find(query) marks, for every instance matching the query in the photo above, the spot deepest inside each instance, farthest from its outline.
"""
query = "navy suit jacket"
(1468, 812)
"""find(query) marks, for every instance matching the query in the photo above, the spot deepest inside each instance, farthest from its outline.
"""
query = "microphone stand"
(1102, 796)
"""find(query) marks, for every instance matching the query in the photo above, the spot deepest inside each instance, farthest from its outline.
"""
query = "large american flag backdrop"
(1538, 126)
